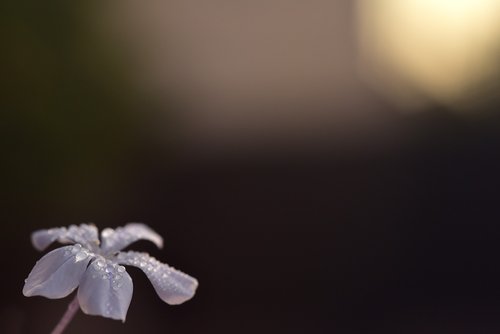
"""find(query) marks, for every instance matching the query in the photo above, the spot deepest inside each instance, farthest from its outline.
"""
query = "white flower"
(105, 287)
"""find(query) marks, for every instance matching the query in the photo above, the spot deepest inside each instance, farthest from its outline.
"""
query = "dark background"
(398, 234)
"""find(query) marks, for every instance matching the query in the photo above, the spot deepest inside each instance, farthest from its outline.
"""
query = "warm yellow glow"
(442, 48)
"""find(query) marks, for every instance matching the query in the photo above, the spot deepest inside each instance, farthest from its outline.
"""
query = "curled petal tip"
(172, 286)
(41, 239)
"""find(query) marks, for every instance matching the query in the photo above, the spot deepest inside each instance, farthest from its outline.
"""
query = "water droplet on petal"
(76, 248)
(80, 256)
(107, 232)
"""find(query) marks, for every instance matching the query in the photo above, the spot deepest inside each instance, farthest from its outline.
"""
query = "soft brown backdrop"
(314, 206)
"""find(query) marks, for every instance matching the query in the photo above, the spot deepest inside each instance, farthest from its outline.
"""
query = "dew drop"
(106, 232)
(76, 248)
(80, 256)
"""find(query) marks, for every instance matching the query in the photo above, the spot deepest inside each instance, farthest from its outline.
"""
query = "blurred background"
(320, 166)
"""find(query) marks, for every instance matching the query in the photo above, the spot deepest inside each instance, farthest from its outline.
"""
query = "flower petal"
(118, 239)
(58, 273)
(41, 239)
(84, 234)
(106, 290)
(173, 286)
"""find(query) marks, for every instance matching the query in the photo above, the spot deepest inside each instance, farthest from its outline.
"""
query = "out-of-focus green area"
(67, 107)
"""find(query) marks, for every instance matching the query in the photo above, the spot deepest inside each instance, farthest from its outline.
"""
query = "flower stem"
(73, 307)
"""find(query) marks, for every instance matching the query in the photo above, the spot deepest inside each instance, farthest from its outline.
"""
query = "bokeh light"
(445, 50)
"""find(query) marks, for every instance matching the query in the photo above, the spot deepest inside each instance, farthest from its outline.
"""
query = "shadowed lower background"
(305, 191)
